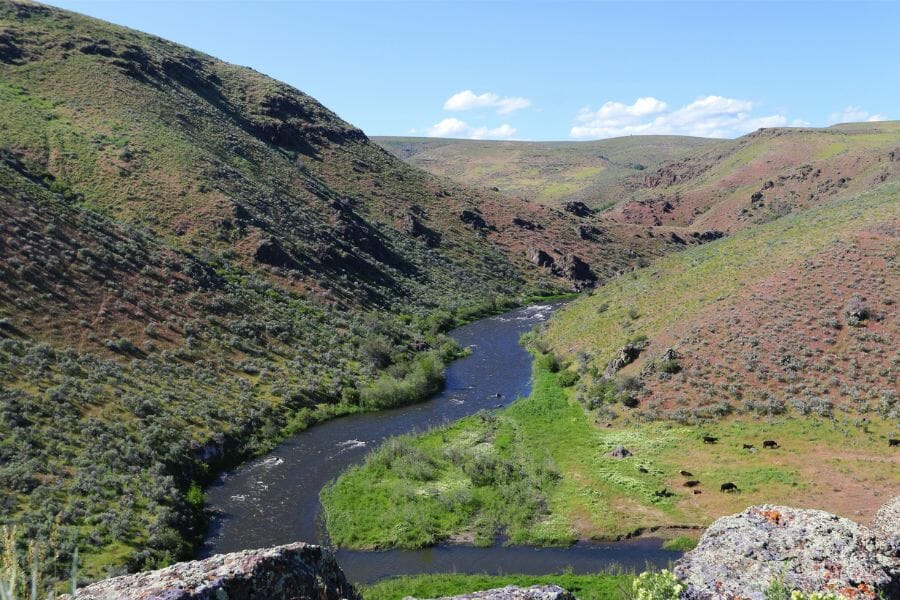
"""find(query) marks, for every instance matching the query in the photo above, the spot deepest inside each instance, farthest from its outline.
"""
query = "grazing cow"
(691, 483)
(664, 493)
(729, 487)
(748, 446)
(708, 439)
(893, 442)
(687, 474)
(697, 491)
(643, 470)
(770, 444)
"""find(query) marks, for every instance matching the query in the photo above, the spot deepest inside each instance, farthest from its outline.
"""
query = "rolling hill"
(551, 173)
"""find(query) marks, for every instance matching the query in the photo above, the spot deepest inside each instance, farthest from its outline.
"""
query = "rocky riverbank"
(739, 556)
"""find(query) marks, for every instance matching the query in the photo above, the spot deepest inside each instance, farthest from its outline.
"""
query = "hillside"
(763, 176)
(786, 331)
(672, 181)
(197, 260)
(550, 173)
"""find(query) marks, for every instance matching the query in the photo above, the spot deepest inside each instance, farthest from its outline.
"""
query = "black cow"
(691, 483)
(708, 439)
(729, 487)
(893, 442)
(687, 474)
(697, 492)
(748, 446)
(643, 470)
(770, 444)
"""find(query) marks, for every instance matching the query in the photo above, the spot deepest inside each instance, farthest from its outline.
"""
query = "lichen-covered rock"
(740, 555)
(295, 571)
(886, 526)
(512, 592)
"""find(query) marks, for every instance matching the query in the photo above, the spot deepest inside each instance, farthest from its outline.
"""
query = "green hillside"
(195, 261)
(551, 173)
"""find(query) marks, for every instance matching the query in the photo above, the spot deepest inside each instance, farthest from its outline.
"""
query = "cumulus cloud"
(853, 114)
(454, 128)
(710, 116)
(468, 100)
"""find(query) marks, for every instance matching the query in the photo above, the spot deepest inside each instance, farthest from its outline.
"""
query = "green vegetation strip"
(599, 586)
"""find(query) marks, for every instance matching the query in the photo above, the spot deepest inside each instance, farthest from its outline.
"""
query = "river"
(275, 499)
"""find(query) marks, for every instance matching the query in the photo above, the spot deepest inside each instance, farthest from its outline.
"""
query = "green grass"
(551, 480)
(676, 288)
(599, 586)
(682, 543)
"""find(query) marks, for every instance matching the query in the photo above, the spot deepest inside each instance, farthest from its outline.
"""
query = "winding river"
(275, 499)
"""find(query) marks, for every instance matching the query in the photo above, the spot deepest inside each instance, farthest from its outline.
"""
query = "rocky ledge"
(512, 592)
(811, 550)
(294, 571)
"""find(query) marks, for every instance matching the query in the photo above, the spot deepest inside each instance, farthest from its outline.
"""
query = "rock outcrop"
(296, 571)
(579, 209)
(886, 526)
(512, 592)
(812, 550)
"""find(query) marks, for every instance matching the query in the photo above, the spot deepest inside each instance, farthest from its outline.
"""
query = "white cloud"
(853, 114)
(454, 128)
(710, 116)
(467, 100)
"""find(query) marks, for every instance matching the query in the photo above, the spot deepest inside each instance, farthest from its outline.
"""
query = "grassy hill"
(197, 260)
(786, 331)
(763, 176)
(551, 173)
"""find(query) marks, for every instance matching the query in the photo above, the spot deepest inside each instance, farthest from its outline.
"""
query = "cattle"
(691, 483)
(893, 442)
(697, 491)
(664, 493)
(686, 474)
(708, 439)
(748, 446)
(729, 487)
(772, 444)
(643, 470)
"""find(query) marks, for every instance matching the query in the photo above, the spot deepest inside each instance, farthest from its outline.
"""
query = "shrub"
(567, 378)
(669, 366)
(424, 379)
(547, 362)
(662, 585)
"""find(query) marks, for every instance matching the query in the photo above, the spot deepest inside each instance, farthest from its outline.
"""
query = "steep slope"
(798, 313)
(763, 176)
(551, 173)
(197, 260)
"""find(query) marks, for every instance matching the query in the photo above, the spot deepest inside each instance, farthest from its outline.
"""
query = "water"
(275, 499)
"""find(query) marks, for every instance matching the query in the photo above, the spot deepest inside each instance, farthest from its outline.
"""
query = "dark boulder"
(579, 209)
(707, 236)
(575, 270)
(475, 220)
(526, 224)
(414, 228)
(589, 232)
(540, 258)
(271, 252)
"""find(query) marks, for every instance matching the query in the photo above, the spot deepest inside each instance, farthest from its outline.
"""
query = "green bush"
(567, 378)
(424, 379)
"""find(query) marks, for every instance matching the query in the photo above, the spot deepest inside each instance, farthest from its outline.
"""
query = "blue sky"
(553, 70)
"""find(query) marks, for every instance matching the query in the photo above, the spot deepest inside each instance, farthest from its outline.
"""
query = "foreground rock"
(512, 592)
(739, 556)
(294, 571)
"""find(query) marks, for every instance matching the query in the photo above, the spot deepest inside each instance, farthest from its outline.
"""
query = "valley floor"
(540, 472)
